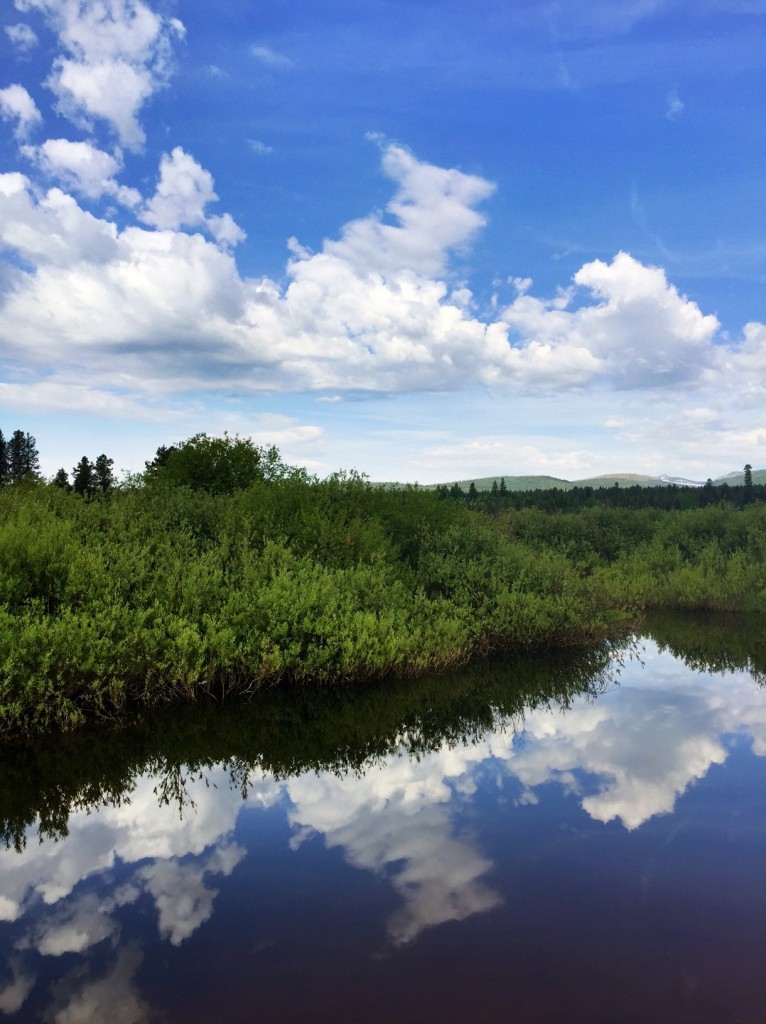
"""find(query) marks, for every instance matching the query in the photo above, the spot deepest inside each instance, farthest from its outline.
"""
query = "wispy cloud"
(675, 107)
(266, 55)
(23, 37)
(259, 147)
(17, 105)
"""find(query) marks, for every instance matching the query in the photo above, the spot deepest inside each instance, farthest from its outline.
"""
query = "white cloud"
(76, 927)
(395, 821)
(675, 107)
(183, 191)
(113, 998)
(378, 309)
(17, 105)
(116, 54)
(182, 899)
(270, 57)
(82, 167)
(639, 332)
(22, 36)
(259, 147)
(14, 994)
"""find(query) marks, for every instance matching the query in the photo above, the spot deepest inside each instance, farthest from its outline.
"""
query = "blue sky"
(425, 240)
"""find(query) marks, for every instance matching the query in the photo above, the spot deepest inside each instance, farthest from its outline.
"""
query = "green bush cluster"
(161, 591)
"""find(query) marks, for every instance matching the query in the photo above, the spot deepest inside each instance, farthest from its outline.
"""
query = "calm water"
(545, 841)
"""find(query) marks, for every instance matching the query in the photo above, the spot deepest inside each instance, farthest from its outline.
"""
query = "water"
(558, 840)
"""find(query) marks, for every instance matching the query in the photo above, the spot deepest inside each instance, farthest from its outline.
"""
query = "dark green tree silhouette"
(473, 494)
(219, 465)
(85, 480)
(502, 490)
(747, 494)
(61, 479)
(23, 457)
(104, 474)
(3, 459)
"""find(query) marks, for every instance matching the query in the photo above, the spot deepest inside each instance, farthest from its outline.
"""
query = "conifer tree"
(85, 481)
(61, 479)
(747, 495)
(3, 459)
(104, 475)
(23, 457)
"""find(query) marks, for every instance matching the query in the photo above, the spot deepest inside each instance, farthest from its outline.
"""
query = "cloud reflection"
(627, 756)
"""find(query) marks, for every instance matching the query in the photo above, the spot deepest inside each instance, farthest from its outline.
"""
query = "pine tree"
(61, 479)
(104, 475)
(472, 492)
(747, 495)
(23, 457)
(85, 481)
(503, 490)
(3, 459)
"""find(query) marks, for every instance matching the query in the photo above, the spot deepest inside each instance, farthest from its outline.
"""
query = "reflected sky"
(632, 824)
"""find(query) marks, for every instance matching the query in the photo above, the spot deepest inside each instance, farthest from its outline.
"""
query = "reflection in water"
(274, 846)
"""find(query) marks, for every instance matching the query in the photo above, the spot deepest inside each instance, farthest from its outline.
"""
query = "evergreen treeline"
(221, 569)
(556, 499)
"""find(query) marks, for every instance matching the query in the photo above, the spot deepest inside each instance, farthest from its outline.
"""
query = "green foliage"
(218, 465)
(168, 591)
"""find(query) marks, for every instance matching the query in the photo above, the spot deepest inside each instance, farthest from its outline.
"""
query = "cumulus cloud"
(182, 899)
(183, 191)
(164, 308)
(76, 927)
(14, 994)
(395, 821)
(83, 168)
(114, 997)
(115, 56)
(22, 36)
(639, 331)
(17, 105)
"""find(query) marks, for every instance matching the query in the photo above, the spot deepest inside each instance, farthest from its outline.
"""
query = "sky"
(427, 241)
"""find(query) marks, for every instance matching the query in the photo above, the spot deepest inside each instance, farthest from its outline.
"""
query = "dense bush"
(162, 590)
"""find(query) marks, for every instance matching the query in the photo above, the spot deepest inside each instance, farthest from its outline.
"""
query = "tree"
(494, 489)
(61, 479)
(219, 465)
(85, 481)
(23, 458)
(160, 460)
(472, 492)
(3, 459)
(747, 495)
(104, 474)
(502, 490)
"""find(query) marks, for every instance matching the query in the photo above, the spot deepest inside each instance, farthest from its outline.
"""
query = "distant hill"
(540, 483)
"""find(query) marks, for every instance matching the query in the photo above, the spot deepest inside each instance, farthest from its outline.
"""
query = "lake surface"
(547, 840)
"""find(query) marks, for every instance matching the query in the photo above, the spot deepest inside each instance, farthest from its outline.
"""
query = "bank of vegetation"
(221, 570)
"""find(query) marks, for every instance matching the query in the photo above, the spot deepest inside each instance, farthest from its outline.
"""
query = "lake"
(578, 838)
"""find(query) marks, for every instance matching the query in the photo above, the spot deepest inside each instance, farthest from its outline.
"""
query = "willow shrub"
(163, 592)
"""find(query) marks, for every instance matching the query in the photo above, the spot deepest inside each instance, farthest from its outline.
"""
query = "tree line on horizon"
(222, 465)
(558, 499)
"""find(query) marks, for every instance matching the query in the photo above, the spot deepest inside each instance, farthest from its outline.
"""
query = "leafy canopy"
(218, 465)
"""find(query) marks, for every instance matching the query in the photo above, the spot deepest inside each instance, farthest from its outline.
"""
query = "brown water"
(502, 847)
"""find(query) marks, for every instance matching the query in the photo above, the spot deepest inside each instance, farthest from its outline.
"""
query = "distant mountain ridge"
(541, 482)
